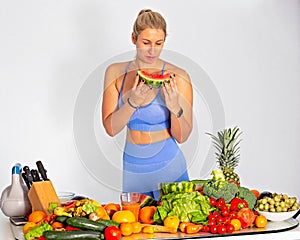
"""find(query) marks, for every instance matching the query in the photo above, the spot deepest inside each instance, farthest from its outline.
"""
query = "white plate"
(277, 216)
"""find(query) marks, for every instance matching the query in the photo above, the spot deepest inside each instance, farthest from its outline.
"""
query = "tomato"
(220, 219)
(229, 228)
(171, 221)
(221, 202)
(205, 229)
(225, 212)
(261, 221)
(112, 233)
(213, 229)
(247, 217)
(126, 228)
(211, 218)
(216, 214)
(221, 229)
(213, 202)
(211, 223)
(236, 223)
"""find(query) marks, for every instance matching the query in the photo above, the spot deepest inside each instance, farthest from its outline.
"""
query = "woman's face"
(149, 44)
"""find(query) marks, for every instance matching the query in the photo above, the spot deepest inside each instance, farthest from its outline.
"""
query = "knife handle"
(42, 170)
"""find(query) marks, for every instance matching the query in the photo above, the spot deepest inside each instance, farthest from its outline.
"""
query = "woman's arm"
(114, 119)
(179, 94)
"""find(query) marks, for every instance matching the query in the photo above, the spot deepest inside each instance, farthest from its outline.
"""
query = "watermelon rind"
(153, 82)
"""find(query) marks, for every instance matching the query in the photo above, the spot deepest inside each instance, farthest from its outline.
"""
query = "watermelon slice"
(146, 200)
(154, 80)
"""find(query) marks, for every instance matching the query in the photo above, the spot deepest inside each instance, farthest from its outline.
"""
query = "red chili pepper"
(69, 228)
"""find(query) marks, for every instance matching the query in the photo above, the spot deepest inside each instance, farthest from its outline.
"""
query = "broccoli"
(248, 196)
(220, 189)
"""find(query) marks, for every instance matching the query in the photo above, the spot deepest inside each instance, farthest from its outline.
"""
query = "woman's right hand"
(139, 92)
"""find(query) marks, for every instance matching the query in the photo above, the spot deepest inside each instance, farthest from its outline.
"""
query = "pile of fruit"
(218, 205)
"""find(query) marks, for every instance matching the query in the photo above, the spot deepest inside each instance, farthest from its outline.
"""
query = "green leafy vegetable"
(89, 207)
(188, 207)
(52, 206)
(37, 231)
(248, 196)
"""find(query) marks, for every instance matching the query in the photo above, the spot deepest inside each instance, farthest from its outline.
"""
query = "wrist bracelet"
(130, 104)
(178, 115)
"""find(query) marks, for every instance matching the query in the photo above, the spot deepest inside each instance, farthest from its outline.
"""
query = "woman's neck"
(142, 65)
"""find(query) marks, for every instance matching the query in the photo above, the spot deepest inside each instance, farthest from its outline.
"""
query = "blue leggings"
(147, 165)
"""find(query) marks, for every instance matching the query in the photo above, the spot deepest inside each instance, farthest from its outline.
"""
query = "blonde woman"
(157, 119)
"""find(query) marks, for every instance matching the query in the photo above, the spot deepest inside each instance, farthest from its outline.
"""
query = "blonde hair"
(148, 19)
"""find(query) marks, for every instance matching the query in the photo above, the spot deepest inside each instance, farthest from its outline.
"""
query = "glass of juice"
(130, 201)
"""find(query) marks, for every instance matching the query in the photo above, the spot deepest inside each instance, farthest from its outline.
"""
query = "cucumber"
(76, 235)
(108, 223)
(61, 219)
(86, 224)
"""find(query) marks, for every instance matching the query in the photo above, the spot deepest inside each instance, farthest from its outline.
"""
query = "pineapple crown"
(227, 146)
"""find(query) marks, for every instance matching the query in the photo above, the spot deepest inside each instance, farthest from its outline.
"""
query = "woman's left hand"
(171, 95)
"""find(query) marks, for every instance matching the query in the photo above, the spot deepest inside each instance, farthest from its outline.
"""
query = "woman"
(156, 118)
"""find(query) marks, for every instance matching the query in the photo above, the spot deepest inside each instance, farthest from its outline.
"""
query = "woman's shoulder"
(180, 72)
(117, 68)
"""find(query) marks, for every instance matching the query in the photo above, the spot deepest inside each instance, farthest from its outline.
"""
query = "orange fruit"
(146, 214)
(112, 206)
(126, 228)
(102, 214)
(136, 227)
(236, 223)
(256, 192)
(171, 221)
(28, 226)
(37, 216)
(261, 221)
(123, 216)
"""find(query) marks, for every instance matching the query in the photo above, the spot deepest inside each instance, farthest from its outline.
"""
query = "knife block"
(41, 194)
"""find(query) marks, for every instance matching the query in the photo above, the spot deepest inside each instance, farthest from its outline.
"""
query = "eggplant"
(265, 194)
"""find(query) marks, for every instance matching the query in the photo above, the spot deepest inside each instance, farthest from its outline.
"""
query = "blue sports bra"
(149, 118)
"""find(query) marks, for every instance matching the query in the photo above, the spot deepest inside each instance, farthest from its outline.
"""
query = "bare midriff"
(139, 137)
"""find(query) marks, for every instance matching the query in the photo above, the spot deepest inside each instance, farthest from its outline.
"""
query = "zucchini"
(76, 235)
(108, 223)
(86, 224)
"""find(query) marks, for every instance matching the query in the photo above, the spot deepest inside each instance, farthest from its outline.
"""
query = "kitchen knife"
(28, 175)
(35, 175)
(26, 180)
(42, 170)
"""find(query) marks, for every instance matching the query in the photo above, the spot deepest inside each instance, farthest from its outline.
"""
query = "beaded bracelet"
(131, 105)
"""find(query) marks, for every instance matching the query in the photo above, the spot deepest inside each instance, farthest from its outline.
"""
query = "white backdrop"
(247, 50)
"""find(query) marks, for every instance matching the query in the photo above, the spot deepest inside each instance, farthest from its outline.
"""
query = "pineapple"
(227, 146)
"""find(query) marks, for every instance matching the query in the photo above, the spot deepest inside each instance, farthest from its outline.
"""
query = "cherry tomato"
(221, 229)
(211, 218)
(112, 233)
(213, 202)
(213, 229)
(225, 212)
(211, 223)
(229, 228)
(205, 229)
(221, 201)
(219, 220)
(224, 207)
(216, 214)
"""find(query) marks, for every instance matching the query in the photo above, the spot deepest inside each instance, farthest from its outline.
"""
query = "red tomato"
(229, 228)
(225, 212)
(216, 214)
(205, 229)
(247, 216)
(213, 229)
(220, 219)
(221, 229)
(213, 202)
(112, 233)
(221, 201)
